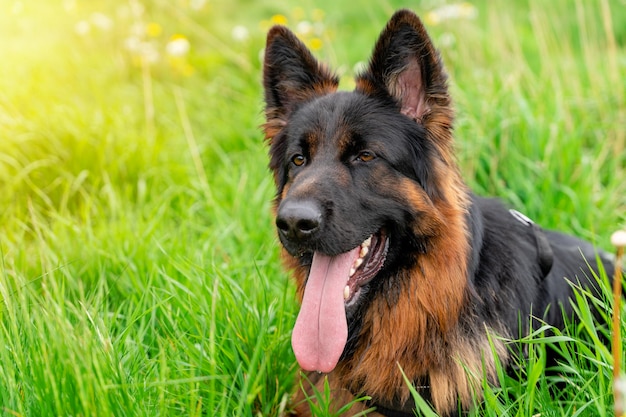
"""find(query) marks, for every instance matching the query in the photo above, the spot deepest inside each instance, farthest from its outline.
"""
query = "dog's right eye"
(298, 160)
(365, 156)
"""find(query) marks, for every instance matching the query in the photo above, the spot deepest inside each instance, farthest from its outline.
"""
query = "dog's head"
(364, 178)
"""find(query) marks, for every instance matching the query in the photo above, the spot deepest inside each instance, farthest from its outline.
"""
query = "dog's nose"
(298, 219)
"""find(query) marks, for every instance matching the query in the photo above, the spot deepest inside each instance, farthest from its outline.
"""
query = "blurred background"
(139, 268)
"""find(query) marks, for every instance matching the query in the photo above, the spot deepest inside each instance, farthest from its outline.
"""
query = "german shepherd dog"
(400, 268)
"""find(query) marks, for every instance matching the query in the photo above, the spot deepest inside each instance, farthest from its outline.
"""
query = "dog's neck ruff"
(545, 258)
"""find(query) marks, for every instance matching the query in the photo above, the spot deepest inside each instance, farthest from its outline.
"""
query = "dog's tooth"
(352, 271)
(358, 263)
(367, 242)
(346, 292)
(364, 251)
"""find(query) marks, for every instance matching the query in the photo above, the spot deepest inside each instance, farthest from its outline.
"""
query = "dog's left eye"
(365, 156)
(298, 160)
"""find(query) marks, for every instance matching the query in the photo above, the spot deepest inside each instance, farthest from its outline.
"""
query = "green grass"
(139, 270)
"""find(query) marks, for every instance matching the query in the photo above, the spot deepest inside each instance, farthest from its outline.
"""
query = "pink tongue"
(321, 329)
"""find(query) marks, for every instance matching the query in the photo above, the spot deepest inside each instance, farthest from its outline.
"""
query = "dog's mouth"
(372, 255)
(334, 284)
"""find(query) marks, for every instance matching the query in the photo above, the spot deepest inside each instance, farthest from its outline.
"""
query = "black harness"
(388, 412)
(397, 408)
(545, 257)
(544, 250)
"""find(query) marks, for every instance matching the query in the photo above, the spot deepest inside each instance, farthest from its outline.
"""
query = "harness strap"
(544, 250)
(388, 412)
(395, 409)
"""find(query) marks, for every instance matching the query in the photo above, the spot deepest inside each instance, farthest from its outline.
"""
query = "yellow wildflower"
(153, 29)
(279, 19)
(316, 44)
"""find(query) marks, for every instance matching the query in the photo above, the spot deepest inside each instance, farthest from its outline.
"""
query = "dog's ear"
(406, 66)
(406, 69)
(291, 75)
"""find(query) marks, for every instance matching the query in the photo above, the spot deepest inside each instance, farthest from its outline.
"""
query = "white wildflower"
(132, 44)
(82, 28)
(177, 46)
(197, 4)
(619, 239)
(240, 33)
(18, 8)
(452, 11)
(69, 5)
(304, 28)
(138, 29)
(360, 67)
(101, 21)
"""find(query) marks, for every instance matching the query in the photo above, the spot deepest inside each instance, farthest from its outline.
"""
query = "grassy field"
(139, 270)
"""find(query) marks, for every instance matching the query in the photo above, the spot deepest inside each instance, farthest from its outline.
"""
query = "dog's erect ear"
(406, 66)
(291, 75)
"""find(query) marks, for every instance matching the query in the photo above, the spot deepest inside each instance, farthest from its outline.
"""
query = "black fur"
(339, 159)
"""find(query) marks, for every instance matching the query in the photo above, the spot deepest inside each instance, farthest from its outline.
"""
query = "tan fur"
(415, 326)
(419, 330)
